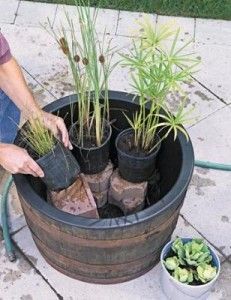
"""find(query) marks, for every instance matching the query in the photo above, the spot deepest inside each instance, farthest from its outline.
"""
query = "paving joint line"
(127, 36)
(194, 30)
(157, 17)
(117, 23)
(60, 297)
(42, 86)
(18, 230)
(209, 90)
(225, 261)
(204, 237)
(16, 13)
(56, 10)
(208, 116)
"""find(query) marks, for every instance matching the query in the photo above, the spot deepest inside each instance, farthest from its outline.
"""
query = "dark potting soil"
(89, 141)
(109, 211)
(126, 144)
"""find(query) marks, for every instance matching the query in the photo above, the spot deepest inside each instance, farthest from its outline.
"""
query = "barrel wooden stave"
(99, 261)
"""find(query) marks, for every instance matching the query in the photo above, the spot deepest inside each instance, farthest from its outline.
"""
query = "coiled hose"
(4, 216)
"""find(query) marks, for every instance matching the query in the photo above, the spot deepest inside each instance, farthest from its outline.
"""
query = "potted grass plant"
(156, 70)
(90, 64)
(189, 269)
(57, 162)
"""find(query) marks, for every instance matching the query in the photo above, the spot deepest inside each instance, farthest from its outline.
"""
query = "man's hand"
(16, 160)
(58, 128)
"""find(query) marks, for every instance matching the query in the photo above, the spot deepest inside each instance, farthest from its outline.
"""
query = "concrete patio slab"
(107, 21)
(187, 25)
(42, 58)
(50, 68)
(102, 23)
(199, 102)
(64, 11)
(212, 32)
(35, 14)
(40, 92)
(208, 205)
(212, 137)
(144, 287)
(8, 10)
(224, 282)
(20, 281)
(215, 69)
(129, 22)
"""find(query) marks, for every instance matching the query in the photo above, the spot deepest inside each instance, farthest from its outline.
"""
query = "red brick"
(77, 199)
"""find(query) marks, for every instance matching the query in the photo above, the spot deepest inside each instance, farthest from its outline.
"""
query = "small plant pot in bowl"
(60, 168)
(135, 166)
(92, 159)
(191, 288)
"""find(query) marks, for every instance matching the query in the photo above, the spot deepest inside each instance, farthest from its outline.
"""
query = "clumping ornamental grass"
(38, 137)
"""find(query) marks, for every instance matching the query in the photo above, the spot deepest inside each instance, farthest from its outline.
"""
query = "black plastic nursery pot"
(135, 168)
(60, 168)
(91, 160)
(109, 250)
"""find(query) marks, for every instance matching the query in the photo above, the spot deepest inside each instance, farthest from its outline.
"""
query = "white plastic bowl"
(176, 290)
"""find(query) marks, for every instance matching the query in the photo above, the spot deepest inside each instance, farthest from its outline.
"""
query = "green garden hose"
(212, 165)
(5, 228)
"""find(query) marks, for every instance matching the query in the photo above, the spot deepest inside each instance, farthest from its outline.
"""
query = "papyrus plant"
(90, 60)
(157, 70)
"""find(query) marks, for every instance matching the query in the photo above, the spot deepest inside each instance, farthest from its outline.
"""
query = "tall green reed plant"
(90, 60)
(158, 70)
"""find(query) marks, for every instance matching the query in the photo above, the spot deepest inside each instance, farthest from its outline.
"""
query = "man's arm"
(15, 159)
(12, 82)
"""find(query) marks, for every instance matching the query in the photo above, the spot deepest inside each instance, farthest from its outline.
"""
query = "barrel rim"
(177, 190)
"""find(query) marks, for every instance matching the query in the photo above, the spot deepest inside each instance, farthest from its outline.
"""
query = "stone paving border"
(213, 33)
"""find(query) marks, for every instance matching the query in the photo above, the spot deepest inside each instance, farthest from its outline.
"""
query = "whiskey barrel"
(117, 249)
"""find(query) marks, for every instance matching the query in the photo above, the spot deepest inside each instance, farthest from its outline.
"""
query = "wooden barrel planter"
(109, 250)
